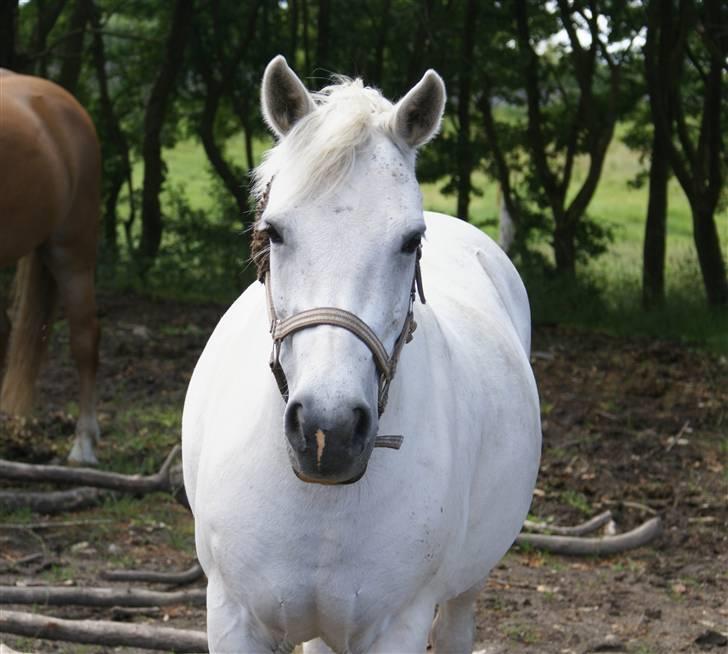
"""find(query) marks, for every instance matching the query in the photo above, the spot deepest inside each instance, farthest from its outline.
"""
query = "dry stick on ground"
(577, 546)
(579, 530)
(160, 481)
(150, 576)
(53, 502)
(102, 632)
(57, 524)
(68, 595)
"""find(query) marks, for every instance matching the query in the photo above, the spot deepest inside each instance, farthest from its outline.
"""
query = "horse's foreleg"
(77, 294)
(453, 630)
(407, 632)
(231, 628)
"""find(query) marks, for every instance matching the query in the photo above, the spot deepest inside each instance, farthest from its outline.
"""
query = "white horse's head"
(343, 218)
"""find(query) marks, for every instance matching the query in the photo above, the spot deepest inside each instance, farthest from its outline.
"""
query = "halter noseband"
(280, 329)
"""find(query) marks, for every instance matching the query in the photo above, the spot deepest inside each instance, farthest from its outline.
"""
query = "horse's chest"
(319, 564)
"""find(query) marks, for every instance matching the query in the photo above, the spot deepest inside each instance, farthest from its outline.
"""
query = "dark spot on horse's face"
(338, 210)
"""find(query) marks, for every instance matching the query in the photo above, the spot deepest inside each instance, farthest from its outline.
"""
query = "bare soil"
(638, 427)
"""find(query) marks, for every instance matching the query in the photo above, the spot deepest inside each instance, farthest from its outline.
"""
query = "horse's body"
(49, 220)
(362, 566)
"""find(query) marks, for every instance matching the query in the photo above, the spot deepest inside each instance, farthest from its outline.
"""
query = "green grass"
(608, 295)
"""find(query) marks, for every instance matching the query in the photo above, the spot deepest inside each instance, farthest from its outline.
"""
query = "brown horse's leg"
(76, 289)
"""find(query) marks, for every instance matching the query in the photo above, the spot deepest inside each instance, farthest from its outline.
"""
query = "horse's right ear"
(284, 98)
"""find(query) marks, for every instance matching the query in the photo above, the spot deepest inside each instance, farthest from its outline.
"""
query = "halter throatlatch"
(280, 329)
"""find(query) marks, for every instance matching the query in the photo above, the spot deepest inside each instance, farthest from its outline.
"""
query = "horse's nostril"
(362, 422)
(294, 426)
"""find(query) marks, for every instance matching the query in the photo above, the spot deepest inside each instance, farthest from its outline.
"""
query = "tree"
(221, 70)
(114, 143)
(657, 60)
(464, 154)
(8, 26)
(582, 122)
(153, 122)
(690, 112)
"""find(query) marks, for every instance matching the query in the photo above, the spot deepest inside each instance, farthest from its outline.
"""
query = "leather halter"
(386, 365)
(280, 329)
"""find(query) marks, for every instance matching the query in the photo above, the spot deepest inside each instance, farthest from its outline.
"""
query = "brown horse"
(49, 222)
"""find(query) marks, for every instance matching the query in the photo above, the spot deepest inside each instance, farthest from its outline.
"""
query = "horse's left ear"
(284, 98)
(418, 114)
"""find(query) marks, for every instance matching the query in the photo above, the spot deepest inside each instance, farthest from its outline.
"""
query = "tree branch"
(161, 481)
(576, 546)
(102, 632)
(153, 577)
(579, 530)
(72, 596)
(51, 502)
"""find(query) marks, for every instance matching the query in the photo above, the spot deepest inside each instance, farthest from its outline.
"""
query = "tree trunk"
(231, 178)
(153, 121)
(465, 154)
(243, 112)
(710, 256)
(653, 262)
(657, 60)
(565, 247)
(377, 72)
(114, 145)
(46, 18)
(8, 26)
(416, 66)
(72, 50)
(306, 44)
(324, 35)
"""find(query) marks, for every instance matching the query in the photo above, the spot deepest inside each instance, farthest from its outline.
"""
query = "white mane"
(321, 148)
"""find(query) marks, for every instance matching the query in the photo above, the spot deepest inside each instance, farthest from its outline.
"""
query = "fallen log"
(138, 484)
(69, 595)
(578, 546)
(102, 632)
(578, 530)
(153, 577)
(52, 502)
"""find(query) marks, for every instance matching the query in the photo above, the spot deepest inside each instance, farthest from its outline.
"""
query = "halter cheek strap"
(386, 365)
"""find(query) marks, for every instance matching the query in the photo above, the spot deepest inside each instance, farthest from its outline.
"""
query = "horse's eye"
(412, 243)
(274, 235)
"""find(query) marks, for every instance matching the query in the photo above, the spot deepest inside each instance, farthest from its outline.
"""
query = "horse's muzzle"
(329, 445)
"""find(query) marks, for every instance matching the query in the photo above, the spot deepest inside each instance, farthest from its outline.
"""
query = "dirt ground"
(637, 427)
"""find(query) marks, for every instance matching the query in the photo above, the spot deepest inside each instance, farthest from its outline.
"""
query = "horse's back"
(51, 164)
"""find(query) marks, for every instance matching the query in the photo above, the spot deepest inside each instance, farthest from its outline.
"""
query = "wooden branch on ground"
(576, 546)
(51, 502)
(102, 632)
(97, 478)
(151, 576)
(579, 530)
(69, 595)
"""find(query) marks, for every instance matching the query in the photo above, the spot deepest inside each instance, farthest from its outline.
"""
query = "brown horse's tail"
(34, 298)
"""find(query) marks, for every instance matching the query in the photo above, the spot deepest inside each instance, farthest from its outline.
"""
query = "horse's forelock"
(320, 149)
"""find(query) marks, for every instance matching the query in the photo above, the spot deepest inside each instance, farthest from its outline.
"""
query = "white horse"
(313, 557)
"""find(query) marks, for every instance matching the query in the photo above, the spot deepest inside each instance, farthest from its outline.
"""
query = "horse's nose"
(327, 437)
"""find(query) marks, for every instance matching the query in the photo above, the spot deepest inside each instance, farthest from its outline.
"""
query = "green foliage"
(391, 43)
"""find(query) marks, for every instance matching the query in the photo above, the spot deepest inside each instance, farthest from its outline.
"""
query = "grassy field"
(609, 295)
